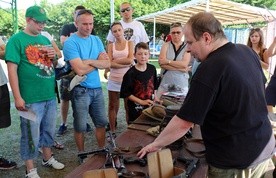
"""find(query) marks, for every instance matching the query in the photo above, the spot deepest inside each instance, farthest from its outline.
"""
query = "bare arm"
(129, 59)
(83, 67)
(264, 65)
(58, 53)
(13, 79)
(167, 64)
(271, 51)
(163, 54)
(124, 62)
(176, 129)
(102, 62)
(146, 102)
(113, 63)
(2, 51)
(62, 39)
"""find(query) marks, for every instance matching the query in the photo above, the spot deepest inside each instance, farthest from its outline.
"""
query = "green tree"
(271, 4)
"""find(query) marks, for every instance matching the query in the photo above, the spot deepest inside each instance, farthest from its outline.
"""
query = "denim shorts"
(88, 101)
(38, 133)
(64, 92)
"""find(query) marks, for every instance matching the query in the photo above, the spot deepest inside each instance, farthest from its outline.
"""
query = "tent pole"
(207, 5)
(154, 29)
(111, 11)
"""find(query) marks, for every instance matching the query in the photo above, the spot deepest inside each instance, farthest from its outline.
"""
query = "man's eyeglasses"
(126, 9)
(178, 32)
(39, 23)
(84, 11)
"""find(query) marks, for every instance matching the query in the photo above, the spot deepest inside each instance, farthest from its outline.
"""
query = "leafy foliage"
(61, 14)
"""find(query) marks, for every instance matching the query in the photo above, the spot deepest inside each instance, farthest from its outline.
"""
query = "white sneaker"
(32, 174)
(53, 163)
(76, 80)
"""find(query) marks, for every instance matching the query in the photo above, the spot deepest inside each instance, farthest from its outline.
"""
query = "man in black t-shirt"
(226, 98)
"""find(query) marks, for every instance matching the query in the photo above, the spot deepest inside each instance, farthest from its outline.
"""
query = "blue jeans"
(88, 101)
(38, 133)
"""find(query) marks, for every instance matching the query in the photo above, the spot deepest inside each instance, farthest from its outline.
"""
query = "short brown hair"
(176, 24)
(141, 45)
(79, 7)
(206, 22)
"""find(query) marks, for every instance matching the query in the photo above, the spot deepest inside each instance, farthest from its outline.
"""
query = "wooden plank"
(160, 164)
(101, 173)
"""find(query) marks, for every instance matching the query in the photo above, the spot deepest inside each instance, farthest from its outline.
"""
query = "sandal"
(58, 145)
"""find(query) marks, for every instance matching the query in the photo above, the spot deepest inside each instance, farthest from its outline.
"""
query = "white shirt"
(133, 31)
(3, 78)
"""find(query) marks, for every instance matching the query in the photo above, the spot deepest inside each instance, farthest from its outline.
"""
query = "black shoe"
(5, 164)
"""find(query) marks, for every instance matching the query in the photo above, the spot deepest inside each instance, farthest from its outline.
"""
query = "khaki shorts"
(255, 172)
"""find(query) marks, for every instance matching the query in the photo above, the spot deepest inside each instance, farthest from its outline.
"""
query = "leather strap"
(127, 150)
(176, 52)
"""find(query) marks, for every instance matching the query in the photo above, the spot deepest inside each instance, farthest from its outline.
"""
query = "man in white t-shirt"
(133, 29)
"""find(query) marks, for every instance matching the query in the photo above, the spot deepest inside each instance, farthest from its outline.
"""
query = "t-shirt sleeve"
(126, 87)
(70, 50)
(144, 34)
(47, 35)
(100, 43)
(13, 49)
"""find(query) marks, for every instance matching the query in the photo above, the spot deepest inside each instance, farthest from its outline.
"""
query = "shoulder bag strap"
(176, 52)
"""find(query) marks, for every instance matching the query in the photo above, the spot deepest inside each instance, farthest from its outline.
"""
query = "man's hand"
(103, 56)
(147, 149)
(51, 53)
(20, 104)
(146, 102)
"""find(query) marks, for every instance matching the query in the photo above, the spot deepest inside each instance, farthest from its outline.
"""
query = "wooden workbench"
(134, 138)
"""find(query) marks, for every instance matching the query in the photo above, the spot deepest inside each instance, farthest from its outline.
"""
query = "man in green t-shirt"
(29, 57)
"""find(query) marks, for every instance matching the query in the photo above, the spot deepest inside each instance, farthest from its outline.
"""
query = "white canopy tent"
(227, 12)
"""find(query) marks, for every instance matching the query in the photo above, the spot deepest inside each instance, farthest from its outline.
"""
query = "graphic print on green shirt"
(35, 72)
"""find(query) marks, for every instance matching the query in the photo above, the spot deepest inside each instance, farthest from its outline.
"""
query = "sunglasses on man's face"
(126, 9)
(178, 32)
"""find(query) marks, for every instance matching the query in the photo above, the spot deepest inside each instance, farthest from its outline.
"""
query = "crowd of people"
(228, 100)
